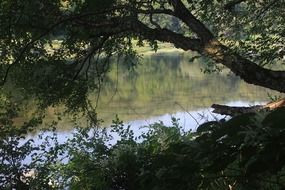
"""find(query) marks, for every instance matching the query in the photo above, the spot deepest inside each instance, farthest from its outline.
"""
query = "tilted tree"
(61, 46)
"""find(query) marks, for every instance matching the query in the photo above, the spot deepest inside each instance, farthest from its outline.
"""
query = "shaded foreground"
(245, 152)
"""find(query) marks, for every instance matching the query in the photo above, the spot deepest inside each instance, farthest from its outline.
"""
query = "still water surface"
(163, 86)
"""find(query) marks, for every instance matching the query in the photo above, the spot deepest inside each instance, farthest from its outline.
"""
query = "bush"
(245, 152)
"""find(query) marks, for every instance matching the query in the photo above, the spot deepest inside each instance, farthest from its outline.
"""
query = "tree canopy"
(59, 49)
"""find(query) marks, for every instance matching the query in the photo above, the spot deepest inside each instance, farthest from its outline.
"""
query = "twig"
(188, 113)
(88, 56)
(25, 48)
(117, 82)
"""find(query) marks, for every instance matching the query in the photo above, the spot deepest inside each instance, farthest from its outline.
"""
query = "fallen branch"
(234, 110)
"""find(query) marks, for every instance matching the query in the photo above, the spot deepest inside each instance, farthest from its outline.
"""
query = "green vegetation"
(65, 53)
(59, 51)
(245, 152)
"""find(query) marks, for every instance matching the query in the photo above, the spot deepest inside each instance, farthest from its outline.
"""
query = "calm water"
(165, 86)
(161, 87)
(170, 85)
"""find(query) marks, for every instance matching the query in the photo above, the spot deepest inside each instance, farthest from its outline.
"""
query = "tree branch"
(244, 68)
(116, 26)
(230, 5)
(206, 44)
(266, 8)
(165, 35)
(29, 44)
(88, 56)
(234, 111)
(181, 12)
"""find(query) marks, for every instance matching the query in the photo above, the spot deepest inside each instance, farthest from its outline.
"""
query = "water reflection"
(165, 86)
(161, 87)
(169, 84)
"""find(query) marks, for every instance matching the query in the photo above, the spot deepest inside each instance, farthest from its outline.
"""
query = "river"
(163, 86)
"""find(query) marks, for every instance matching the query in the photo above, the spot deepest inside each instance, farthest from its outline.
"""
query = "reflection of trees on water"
(161, 84)
(162, 80)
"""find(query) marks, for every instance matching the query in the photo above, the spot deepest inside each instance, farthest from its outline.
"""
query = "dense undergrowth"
(245, 152)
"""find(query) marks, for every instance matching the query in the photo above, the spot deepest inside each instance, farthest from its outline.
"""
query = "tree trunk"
(249, 71)
(234, 111)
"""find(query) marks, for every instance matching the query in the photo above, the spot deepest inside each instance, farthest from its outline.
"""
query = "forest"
(80, 81)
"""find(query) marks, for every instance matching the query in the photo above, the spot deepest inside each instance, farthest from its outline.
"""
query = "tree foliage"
(245, 152)
(59, 49)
